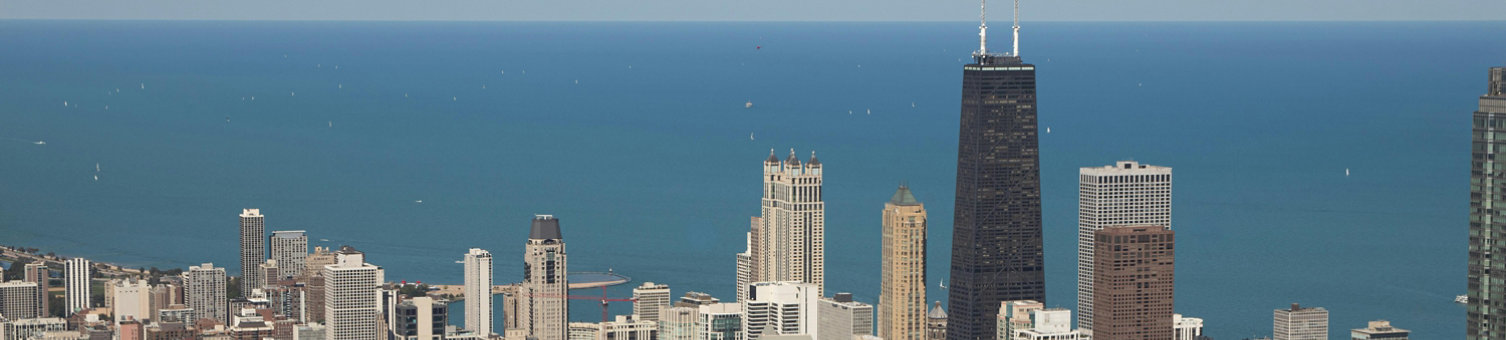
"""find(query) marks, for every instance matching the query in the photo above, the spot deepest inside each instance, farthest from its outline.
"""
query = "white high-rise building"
(204, 293)
(544, 311)
(841, 318)
(290, 248)
(478, 291)
(624, 327)
(781, 308)
(720, 321)
(1126, 193)
(648, 299)
(131, 298)
(352, 297)
(1187, 328)
(253, 249)
(20, 300)
(78, 277)
(788, 241)
(679, 323)
(1300, 323)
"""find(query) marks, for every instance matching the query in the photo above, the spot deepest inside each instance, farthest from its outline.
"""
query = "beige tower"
(902, 291)
(543, 312)
(787, 243)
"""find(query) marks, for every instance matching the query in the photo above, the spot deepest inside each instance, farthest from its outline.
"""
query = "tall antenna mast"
(1016, 28)
(983, 27)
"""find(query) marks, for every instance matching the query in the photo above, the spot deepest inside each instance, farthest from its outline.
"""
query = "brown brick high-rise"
(1132, 292)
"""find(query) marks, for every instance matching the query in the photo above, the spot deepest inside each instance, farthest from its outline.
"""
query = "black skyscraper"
(996, 237)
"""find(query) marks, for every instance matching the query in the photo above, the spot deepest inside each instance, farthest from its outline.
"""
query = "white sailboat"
(40, 142)
(748, 105)
(1346, 172)
(750, 136)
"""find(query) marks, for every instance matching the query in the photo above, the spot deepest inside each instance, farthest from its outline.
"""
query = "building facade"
(678, 322)
(20, 300)
(936, 323)
(420, 318)
(787, 241)
(204, 294)
(130, 299)
(1300, 323)
(1135, 282)
(78, 275)
(624, 327)
(290, 248)
(719, 321)
(902, 285)
(544, 310)
(39, 274)
(1126, 193)
(1014, 316)
(253, 249)
(841, 318)
(1187, 328)
(1486, 312)
(648, 299)
(1379, 330)
(780, 308)
(478, 291)
(351, 297)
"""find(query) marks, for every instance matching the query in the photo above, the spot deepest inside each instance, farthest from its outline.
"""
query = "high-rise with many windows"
(902, 285)
(20, 300)
(1300, 323)
(78, 275)
(253, 249)
(648, 299)
(1486, 312)
(544, 310)
(290, 248)
(787, 242)
(1135, 267)
(1126, 193)
(39, 274)
(478, 291)
(204, 293)
(352, 297)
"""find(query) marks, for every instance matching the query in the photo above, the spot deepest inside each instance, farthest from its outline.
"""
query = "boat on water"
(1461, 299)
(748, 105)
(40, 142)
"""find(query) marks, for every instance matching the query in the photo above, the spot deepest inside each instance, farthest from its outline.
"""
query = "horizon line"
(751, 21)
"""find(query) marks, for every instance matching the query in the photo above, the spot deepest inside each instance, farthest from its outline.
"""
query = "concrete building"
(271, 272)
(788, 241)
(129, 329)
(544, 311)
(678, 323)
(1134, 282)
(583, 330)
(1187, 328)
(1300, 323)
(624, 327)
(78, 275)
(131, 299)
(1015, 316)
(1487, 274)
(697, 299)
(649, 298)
(420, 318)
(719, 321)
(478, 291)
(39, 274)
(902, 285)
(783, 308)
(936, 323)
(253, 234)
(1379, 330)
(20, 300)
(290, 248)
(841, 318)
(32, 328)
(1126, 193)
(1045, 324)
(351, 305)
(313, 278)
(204, 293)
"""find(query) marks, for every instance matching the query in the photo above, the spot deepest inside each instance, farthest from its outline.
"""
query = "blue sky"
(755, 10)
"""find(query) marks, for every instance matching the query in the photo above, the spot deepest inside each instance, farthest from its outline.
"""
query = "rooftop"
(903, 197)
(1125, 168)
(545, 227)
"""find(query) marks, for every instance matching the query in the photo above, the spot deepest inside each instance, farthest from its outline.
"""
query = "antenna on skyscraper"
(982, 27)
(1016, 28)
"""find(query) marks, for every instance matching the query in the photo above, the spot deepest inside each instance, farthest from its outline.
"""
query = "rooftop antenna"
(1016, 28)
(983, 27)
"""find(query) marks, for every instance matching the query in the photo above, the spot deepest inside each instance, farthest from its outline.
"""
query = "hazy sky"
(755, 10)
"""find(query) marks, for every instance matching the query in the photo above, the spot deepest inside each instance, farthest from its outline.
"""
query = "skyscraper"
(1126, 193)
(253, 250)
(1486, 315)
(788, 241)
(39, 274)
(1134, 276)
(720, 321)
(780, 308)
(352, 298)
(478, 291)
(204, 293)
(997, 253)
(678, 322)
(1300, 323)
(902, 286)
(290, 248)
(841, 318)
(20, 300)
(544, 310)
(78, 278)
(648, 299)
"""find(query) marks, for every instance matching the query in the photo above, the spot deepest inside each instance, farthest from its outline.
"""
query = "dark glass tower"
(1486, 315)
(996, 237)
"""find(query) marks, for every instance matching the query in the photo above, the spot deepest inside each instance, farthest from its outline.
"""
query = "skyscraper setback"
(1487, 292)
(787, 242)
(253, 249)
(997, 252)
(1126, 193)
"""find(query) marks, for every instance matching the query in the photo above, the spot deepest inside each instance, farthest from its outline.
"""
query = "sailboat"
(1346, 172)
(96, 167)
(750, 136)
(40, 142)
(748, 105)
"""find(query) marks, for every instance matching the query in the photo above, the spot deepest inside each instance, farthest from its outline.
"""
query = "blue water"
(648, 163)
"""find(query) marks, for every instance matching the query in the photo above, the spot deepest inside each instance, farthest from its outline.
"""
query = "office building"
(253, 249)
(313, 278)
(1300, 323)
(1042, 324)
(1015, 316)
(787, 241)
(1126, 193)
(544, 311)
(130, 299)
(420, 318)
(478, 291)
(39, 274)
(78, 275)
(720, 321)
(1187, 328)
(290, 248)
(204, 293)
(997, 253)
(697, 299)
(678, 323)
(1379, 330)
(1485, 317)
(20, 300)
(583, 330)
(624, 327)
(271, 271)
(902, 285)
(351, 305)
(841, 318)
(648, 299)
(780, 308)
(936, 323)
(1133, 276)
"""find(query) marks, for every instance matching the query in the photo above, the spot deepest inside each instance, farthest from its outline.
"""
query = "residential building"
(1126, 193)
(131, 299)
(1133, 276)
(32, 328)
(1379, 330)
(902, 285)
(788, 241)
(421, 318)
(780, 308)
(1046, 324)
(1187, 328)
(289, 248)
(1487, 234)
(129, 329)
(478, 291)
(78, 275)
(625, 327)
(1300, 323)
(20, 300)
(678, 323)
(719, 321)
(204, 293)
(583, 330)
(351, 305)
(544, 310)
(1016, 316)
(697, 299)
(841, 318)
(39, 274)
(253, 249)
(648, 299)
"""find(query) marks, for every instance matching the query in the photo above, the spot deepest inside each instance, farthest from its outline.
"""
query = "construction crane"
(603, 298)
